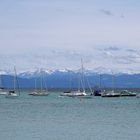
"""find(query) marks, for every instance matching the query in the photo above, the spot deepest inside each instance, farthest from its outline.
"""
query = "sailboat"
(41, 91)
(14, 92)
(111, 93)
(68, 90)
(80, 92)
(2, 91)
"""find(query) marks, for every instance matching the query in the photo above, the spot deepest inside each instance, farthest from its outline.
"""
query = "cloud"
(126, 60)
(50, 58)
(122, 16)
(110, 58)
(133, 51)
(106, 12)
(117, 59)
(110, 13)
(112, 48)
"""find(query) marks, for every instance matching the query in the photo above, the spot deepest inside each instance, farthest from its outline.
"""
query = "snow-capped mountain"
(65, 77)
(87, 72)
(38, 72)
(43, 72)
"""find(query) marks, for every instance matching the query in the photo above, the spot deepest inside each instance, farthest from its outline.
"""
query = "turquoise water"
(64, 118)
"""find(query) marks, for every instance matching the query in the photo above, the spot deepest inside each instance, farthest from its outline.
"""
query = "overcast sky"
(56, 34)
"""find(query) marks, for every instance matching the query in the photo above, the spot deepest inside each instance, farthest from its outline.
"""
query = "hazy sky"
(55, 34)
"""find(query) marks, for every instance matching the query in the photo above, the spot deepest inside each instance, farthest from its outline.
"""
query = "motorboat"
(97, 92)
(127, 93)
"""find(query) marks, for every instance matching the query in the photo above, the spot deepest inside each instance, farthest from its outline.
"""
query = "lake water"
(64, 118)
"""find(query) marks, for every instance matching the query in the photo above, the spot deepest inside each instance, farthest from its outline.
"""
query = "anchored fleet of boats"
(40, 92)
(80, 92)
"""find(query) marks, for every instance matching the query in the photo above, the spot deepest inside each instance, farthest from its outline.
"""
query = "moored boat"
(111, 94)
(40, 92)
(11, 94)
(127, 93)
(97, 92)
(14, 92)
(81, 90)
(77, 93)
(2, 91)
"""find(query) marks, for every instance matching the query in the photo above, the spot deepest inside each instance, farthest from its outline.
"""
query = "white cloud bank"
(57, 34)
(100, 58)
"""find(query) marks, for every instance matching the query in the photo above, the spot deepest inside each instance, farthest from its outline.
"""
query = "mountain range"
(70, 78)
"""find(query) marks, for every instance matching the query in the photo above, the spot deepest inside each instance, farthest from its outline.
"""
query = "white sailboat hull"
(13, 95)
(77, 93)
(36, 93)
(110, 94)
(3, 93)
(65, 94)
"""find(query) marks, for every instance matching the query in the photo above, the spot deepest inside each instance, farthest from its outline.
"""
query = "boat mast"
(70, 86)
(0, 81)
(35, 85)
(79, 81)
(100, 84)
(14, 88)
(41, 82)
(82, 75)
(16, 81)
(113, 82)
(45, 82)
